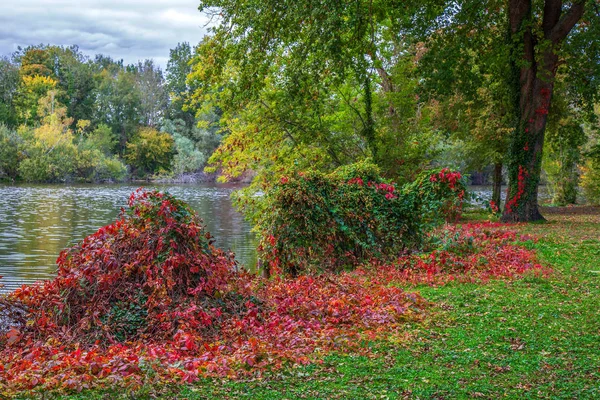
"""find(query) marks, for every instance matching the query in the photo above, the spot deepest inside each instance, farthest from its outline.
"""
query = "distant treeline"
(67, 117)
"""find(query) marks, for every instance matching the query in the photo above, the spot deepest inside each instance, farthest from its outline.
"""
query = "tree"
(50, 152)
(178, 69)
(29, 93)
(102, 139)
(34, 61)
(70, 68)
(9, 83)
(118, 103)
(537, 36)
(522, 42)
(312, 84)
(9, 153)
(150, 151)
(152, 92)
(75, 75)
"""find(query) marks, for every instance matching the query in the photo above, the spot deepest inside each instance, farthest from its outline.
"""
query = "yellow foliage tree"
(31, 90)
(150, 151)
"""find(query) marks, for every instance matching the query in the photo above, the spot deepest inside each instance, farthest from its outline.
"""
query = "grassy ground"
(530, 338)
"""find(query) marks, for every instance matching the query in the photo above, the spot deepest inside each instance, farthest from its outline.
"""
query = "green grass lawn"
(529, 338)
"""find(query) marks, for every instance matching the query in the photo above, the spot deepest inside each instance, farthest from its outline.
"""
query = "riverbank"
(535, 336)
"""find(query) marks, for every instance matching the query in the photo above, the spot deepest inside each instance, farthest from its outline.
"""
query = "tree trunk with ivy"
(535, 61)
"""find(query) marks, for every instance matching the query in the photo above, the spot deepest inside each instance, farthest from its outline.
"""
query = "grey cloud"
(129, 29)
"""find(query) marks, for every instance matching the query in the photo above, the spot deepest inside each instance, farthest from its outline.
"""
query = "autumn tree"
(538, 35)
(150, 151)
(522, 43)
(312, 84)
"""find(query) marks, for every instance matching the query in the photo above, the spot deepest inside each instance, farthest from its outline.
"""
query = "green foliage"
(153, 93)
(117, 104)
(31, 90)
(102, 139)
(126, 318)
(9, 153)
(590, 181)
(95, 166)
(193, 145)
(333, 85)
(9, 82)
(48, 166)
(439, 195)
(150, 151)
(187, 157)
(178, 69)
(315, 222)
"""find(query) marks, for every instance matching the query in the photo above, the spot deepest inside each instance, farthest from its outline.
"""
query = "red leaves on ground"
(468, 253)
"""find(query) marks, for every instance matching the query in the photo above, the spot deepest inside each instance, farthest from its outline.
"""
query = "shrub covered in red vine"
(152, 273)
(317, 222)
(440, 194)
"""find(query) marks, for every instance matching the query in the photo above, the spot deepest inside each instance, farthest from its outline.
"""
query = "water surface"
(38, 221)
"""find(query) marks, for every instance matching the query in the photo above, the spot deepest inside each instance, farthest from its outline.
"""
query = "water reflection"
(482, 194)
(38, 221)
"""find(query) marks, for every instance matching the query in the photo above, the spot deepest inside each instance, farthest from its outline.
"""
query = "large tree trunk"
(536, 74)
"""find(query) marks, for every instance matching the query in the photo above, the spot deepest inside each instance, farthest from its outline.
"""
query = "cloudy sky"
(127, 29)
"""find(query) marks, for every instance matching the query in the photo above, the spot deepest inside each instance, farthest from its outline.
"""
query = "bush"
(317, 222)
(187, 157)
(9, 153)
(102, 139)
(150, 151)
(151, 274)
(110, 169)
(314, 222)
(590, 181)
(42, 165)
(95, 166)
(439, 195)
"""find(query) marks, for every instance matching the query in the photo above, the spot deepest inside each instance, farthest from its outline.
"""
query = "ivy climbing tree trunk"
(534, 62)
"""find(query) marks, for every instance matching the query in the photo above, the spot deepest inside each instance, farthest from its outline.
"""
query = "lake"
(38, 221)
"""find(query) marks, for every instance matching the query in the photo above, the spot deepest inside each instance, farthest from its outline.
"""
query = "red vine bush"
(440, 195)
(315, 222)
(152, 273)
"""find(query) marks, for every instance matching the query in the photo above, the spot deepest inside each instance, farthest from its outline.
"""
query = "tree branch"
(567, 22)
(518, 10)
(552, 11)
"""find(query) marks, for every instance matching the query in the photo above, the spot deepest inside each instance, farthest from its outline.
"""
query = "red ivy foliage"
(330, 222)
(440, 194)
(203, 318)
(474, 252)
(152, 273)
